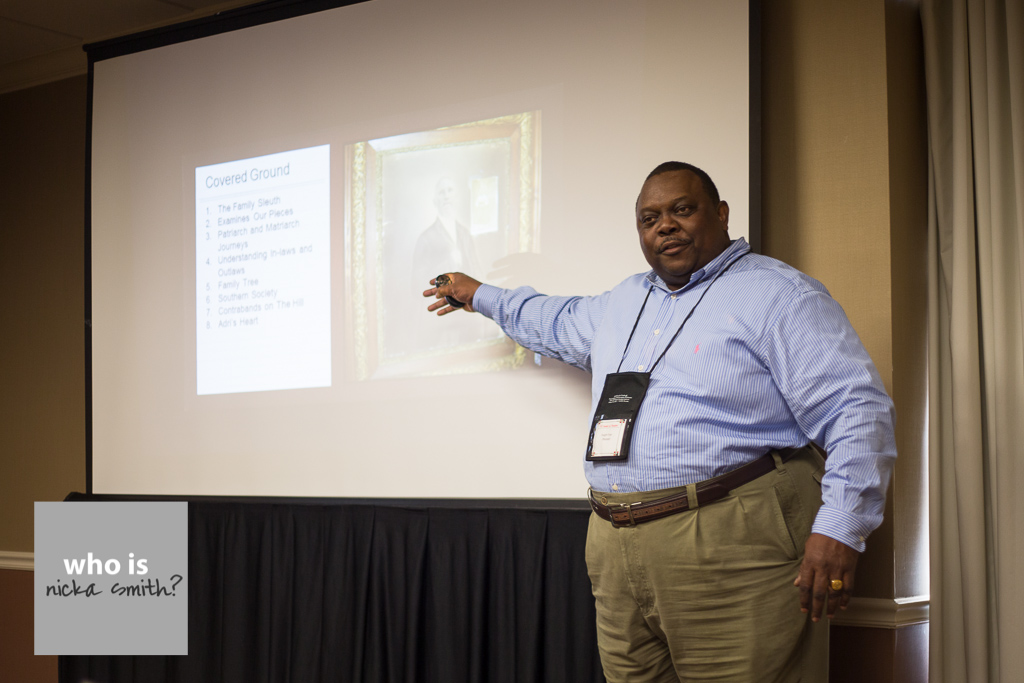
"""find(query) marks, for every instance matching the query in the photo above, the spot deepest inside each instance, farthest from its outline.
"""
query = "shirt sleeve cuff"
(841, 526)
(485, 299)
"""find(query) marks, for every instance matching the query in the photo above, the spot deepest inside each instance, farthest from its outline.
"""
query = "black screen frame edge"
(87, 327)
(413, 503)
(754, 115)
(247, 16)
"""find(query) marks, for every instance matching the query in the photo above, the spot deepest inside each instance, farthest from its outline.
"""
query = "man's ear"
(723, 214)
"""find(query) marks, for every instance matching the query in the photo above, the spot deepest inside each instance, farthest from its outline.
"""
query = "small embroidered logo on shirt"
(696, 348)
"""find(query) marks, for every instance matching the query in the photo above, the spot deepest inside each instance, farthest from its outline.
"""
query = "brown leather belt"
(708, 491)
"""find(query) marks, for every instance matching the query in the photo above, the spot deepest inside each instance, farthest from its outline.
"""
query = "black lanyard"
(611, 432)
(680, 328)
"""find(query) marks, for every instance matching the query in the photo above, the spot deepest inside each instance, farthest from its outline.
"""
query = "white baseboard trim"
(18, 561)
(884, 612)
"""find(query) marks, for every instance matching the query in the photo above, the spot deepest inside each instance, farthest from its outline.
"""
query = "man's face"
(680, 229)
(444, 197)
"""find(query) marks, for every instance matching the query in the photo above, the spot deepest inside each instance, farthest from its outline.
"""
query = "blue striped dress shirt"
(767, 360)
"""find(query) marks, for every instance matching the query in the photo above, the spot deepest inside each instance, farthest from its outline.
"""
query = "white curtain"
(974, 64)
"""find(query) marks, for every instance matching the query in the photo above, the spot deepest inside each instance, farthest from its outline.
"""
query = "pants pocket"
(796, 516)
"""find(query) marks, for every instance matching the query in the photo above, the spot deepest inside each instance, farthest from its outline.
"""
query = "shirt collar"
(737, 248)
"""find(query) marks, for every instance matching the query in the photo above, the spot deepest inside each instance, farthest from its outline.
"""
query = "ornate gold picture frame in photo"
(452, 199)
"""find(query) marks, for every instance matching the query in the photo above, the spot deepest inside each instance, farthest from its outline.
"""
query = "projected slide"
(263, 273)
(268, 205)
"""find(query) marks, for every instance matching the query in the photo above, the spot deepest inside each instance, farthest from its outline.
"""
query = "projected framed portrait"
(457, 198)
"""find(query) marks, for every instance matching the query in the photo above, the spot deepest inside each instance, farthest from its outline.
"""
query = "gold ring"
(836, 585)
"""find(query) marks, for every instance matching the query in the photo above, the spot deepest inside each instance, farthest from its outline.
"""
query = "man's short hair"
(705, 179)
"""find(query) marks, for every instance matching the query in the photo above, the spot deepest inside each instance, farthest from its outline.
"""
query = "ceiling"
(41, 40)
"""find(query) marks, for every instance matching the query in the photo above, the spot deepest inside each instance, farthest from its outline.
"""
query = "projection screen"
(268, 204)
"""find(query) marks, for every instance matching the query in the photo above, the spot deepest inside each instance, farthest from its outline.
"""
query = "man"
(711, 374)
(446, 244)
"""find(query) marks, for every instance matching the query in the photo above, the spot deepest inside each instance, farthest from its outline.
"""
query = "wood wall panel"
(18, 664)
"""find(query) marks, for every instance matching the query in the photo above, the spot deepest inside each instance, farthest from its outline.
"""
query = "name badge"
(612, 429)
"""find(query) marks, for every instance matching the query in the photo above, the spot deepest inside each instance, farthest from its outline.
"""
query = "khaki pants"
(707, 594)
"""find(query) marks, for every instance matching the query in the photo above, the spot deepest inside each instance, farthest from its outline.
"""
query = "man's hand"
(461, 288)
(825, 559)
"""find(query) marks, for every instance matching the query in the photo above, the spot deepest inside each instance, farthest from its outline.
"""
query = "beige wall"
(845, 170)
(42, 350)
(825, 147)
(845, 200)
(908, 237)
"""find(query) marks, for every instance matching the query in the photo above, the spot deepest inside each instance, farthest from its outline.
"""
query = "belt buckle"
(628, 507)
